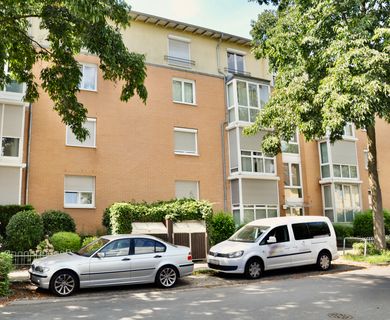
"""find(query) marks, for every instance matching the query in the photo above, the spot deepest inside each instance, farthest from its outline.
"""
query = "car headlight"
(41, 269)
(236, 254)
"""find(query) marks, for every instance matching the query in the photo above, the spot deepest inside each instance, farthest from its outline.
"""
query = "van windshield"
(248, 233)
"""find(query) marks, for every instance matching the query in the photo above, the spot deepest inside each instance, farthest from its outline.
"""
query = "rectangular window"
(291, 146)
(179, 52)
(348, 130)
(325, 168)
(11, 127)
(292, 181)
(183, 91)
(257, 162)
(186, 141)
(187, 189)
(235, 62)
(79, 192)
(345, 171)
(89, 77)
(12, 86)
(258, 211)
(347, 201)
(89, 142)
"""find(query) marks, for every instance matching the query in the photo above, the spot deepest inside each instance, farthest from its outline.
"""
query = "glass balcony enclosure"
(246, 99)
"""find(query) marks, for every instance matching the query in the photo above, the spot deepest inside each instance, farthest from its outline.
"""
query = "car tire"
(324, 261)
(167, 277)
(64, 283)
(253, 268)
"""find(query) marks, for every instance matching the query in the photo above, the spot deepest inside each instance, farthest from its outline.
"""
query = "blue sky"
(230, 16)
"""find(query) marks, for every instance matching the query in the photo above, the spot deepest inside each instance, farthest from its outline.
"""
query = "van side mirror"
(271, 239)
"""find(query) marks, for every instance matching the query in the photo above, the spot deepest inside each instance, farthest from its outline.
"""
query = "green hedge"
(119, 217)
(24, 231)
(57, 221)
(221, 227)
(65, 241)
(6, 212)
(5, 268)
(363, 224)
(343, 230)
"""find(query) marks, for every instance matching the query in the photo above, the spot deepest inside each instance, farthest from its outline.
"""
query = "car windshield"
(248, 233)
(92, 247)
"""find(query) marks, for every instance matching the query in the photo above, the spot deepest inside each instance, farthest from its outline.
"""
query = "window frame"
(197, 188)
(236, 53)
(325, 164)
(95, 66)
(286, 144)
(254, 207)
(252, 158)
(2, 136)
(290, 184)
(349, 171)
(132, 246)
(184, 152)
(68, 131)
(182, 82)
(80, 205)
(345, 208)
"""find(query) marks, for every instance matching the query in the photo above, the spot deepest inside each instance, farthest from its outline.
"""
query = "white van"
(274, 243)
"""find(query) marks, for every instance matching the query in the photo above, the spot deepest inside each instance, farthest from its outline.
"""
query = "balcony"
(237, 72)
(179, 62)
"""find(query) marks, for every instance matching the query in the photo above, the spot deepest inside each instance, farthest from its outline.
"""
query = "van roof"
(290, 219)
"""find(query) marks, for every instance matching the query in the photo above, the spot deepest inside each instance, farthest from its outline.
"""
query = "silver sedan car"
(113, 260)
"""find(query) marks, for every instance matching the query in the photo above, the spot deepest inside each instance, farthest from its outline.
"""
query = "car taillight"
(189, 257)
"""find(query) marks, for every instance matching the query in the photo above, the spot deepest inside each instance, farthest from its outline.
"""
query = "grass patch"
(204, 271)
(384, 257)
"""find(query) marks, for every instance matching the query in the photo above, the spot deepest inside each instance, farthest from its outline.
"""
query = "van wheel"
(253, 268)
(324, 261)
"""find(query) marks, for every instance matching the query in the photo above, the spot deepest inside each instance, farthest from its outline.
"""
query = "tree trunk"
(376, 193)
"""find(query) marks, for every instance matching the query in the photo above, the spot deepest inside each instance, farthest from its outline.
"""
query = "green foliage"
(5, 268)
(343, 230)
(56, 221)
(65, 241)
(88, 240)
(24, 231)
(221, 227)
(382, 258)
(363, 224)
(6, 212)
(358, 248)
(44, 247)
(94, 25)
(119, 216)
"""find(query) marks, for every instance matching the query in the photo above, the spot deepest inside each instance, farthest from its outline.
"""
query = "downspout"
(223, 125)
(28, 153)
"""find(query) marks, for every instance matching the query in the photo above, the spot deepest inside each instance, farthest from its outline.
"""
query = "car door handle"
(126, 259)
(157, 256)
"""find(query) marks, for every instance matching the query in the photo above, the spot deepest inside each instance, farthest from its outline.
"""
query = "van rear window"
(309, 230)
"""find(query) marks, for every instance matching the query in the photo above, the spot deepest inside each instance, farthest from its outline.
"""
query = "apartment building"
(204, 87)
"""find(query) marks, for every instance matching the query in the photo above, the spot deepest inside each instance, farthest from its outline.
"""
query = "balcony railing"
(179, 61)
(238, 72)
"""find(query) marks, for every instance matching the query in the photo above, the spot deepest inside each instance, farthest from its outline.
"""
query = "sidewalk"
(23, 275)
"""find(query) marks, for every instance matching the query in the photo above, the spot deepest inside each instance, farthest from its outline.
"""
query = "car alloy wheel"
(253, 269)
(64, 283)
(324, 261)
(167, 277)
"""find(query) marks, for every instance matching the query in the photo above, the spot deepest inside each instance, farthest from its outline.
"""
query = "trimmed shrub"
(6, 212)
(358, 248)
(24, 231)
(88, 240)
(119, 216)
(221, 227)
(343, 230)
(65, 241)
(363, 224)
(55, 221)
(5, 268)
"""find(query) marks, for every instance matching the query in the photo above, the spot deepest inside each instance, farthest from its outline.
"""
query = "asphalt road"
(358, 294)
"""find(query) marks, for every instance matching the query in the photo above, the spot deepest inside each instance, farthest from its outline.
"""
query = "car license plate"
(213, 261)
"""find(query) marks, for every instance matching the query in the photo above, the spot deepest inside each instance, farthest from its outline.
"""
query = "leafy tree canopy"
(332, 60)
(92, 25)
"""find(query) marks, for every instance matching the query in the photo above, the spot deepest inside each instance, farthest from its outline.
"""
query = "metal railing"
(356, 238)
(23, 259)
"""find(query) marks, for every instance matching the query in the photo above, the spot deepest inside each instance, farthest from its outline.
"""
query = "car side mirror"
(271, 239)
(101, 254)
